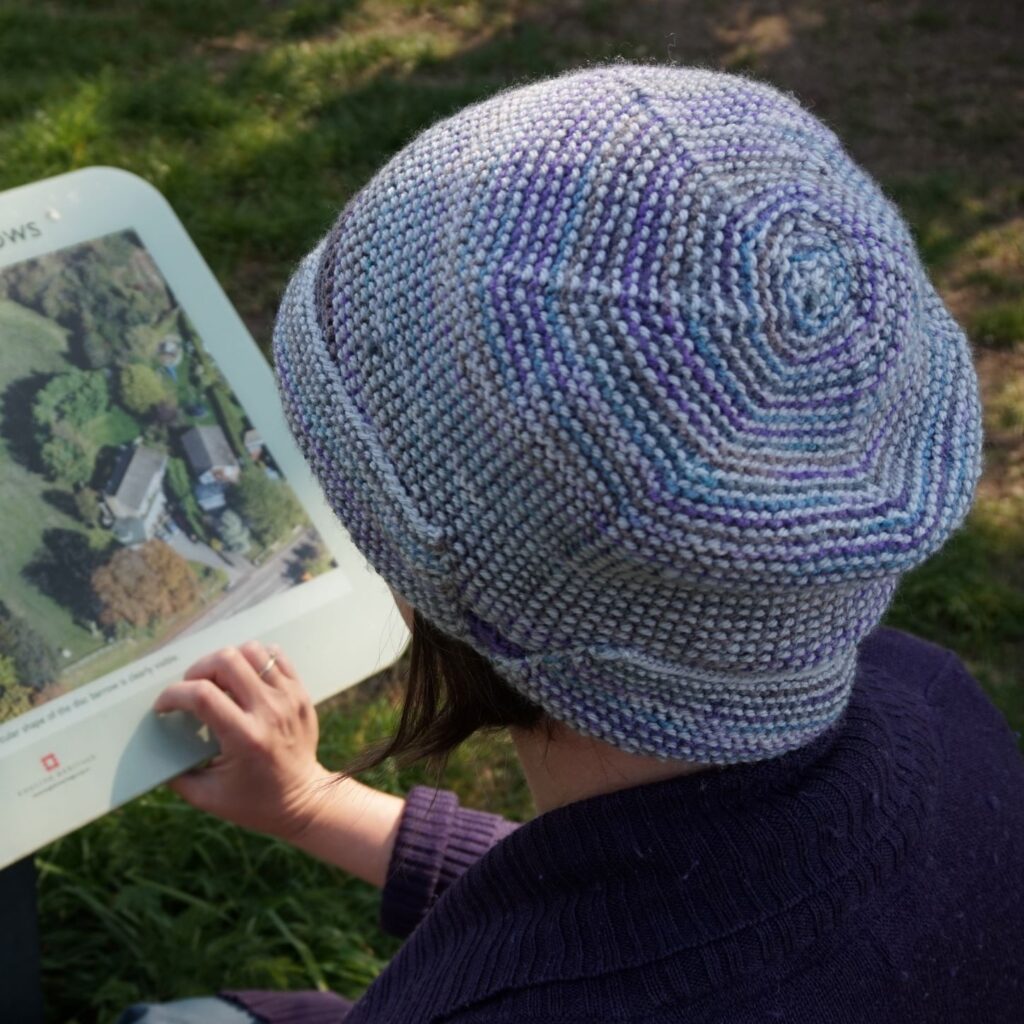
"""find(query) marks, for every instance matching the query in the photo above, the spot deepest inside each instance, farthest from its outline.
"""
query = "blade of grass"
(307, 958)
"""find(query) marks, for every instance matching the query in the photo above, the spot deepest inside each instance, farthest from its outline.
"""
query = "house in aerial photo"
(135, 496)
(210, 455)
(213, 465)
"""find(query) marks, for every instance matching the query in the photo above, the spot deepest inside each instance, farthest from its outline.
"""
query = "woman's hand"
(266, 776)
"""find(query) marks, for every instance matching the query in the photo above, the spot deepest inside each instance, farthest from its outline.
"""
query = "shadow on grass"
(16, 424)
(63, 501)
(62, 569)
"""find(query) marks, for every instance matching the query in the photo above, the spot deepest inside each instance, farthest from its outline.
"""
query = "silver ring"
(271, 662)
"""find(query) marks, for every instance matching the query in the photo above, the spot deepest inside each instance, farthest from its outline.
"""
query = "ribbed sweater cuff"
(437, 841)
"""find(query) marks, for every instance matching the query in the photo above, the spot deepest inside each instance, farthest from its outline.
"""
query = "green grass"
(1000, 325)
(115, 427)
(258, 120)
(31, 344)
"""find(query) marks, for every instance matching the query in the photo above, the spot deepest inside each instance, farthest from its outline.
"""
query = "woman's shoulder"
(937, 678)
(890, 647)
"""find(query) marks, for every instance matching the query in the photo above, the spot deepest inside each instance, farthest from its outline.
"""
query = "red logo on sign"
(50, 762)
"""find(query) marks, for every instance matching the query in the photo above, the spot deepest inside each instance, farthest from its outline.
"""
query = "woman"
(631, 385)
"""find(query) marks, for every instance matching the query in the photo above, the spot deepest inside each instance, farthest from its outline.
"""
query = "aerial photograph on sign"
(140, 503)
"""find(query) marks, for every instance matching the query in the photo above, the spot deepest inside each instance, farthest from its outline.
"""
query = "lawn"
(258, 120)
(31, 345)
(114, 427)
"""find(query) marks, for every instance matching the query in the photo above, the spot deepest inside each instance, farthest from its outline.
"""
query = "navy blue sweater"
(875, 875)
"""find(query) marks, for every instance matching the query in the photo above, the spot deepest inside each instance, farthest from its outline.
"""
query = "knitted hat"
(633, 380)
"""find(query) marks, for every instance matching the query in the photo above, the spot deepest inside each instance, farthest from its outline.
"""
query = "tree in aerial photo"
(61, 413)
(28, 665)
(143, 585)
(142, 388)
(268, 506)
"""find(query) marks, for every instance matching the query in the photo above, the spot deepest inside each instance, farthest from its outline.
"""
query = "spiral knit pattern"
(633, 380)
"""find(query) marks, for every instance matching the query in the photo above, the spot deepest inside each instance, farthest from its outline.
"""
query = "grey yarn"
(634, 381)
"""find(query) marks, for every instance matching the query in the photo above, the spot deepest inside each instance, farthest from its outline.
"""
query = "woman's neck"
(570, 766)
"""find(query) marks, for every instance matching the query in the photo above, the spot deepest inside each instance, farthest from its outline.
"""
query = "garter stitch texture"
(634, 381)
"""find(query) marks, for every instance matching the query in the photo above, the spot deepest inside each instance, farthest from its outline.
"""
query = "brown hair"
(451, 692)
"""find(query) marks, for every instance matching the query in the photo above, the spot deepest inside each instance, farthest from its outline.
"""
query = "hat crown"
(673, 281)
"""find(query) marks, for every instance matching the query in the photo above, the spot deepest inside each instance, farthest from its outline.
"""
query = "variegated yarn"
(633, 380)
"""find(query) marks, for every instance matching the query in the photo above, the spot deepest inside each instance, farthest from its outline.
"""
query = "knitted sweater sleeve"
(437, 841)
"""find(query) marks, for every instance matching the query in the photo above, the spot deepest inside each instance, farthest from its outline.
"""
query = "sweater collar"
(707, 863)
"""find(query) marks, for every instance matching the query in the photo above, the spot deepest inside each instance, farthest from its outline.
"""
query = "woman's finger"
(284, 662)
(265, 663)
(212, 706)
(231, 671)
(282, 676)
